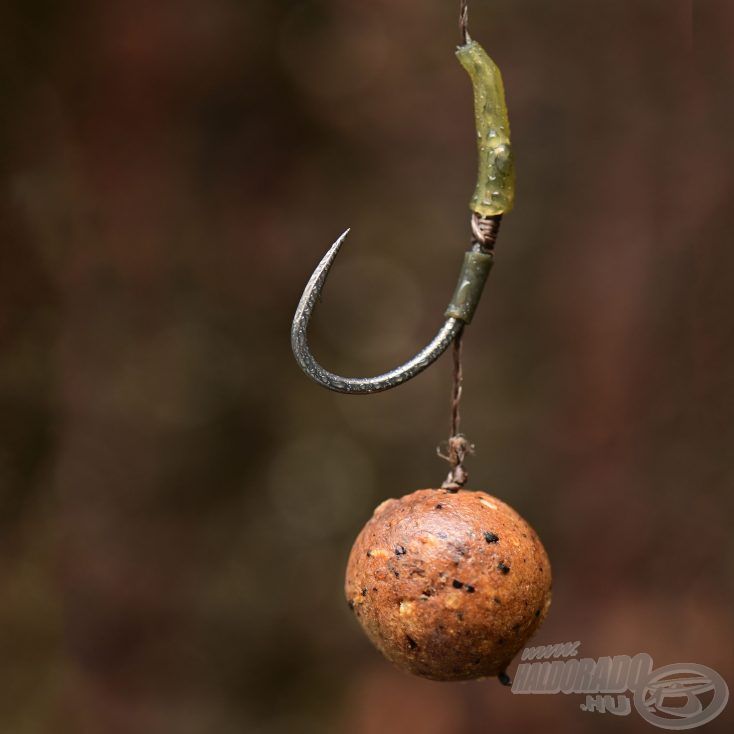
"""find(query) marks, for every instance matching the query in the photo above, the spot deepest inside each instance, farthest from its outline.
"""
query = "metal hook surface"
(476, 267)
(393, 378)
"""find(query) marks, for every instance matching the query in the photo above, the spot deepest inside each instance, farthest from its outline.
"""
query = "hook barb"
(358, 385)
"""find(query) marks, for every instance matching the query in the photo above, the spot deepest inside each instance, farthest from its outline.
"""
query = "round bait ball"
(448, 585)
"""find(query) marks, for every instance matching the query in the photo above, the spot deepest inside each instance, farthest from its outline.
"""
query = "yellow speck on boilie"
(378, 553)
(495, 190)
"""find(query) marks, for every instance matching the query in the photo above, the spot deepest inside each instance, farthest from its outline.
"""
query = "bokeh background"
(177, 501)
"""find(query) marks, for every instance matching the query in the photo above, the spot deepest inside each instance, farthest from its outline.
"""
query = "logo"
(676, 697)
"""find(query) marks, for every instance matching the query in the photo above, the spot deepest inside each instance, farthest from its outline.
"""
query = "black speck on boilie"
(497, 600)
(439, 506)
(350, 604)
(491, 537)
(400, 550)
(469, 588)
(412, 644)
(503, 567)
(457, 584)
(537, 612)
(364, 591)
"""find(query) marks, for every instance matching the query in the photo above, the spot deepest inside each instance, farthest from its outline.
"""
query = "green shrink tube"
(495, 191)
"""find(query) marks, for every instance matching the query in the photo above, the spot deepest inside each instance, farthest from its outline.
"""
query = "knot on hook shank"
(485, 230)
(458, 448)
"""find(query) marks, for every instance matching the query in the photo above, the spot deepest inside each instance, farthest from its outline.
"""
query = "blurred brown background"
(177, 500)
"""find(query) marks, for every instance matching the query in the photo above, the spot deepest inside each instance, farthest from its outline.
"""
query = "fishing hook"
(494, 195)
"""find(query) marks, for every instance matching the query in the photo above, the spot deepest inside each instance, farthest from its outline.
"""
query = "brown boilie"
(448, 585)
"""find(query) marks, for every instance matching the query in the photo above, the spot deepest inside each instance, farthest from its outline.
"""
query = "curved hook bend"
(477, 264)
